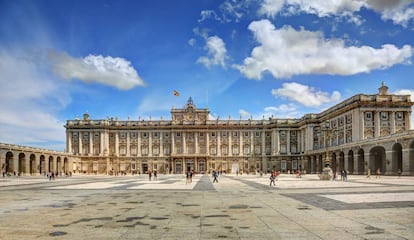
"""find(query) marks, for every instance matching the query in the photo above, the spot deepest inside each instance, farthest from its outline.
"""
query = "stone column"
(273, 141)
(184, 143)
(128, 144)
(230, 147)
(207, 145)
(288, 142)
(90, 143)
(218, 148)
(361, 126)
(355, 170)
(173, 144)
(377, 124)
(69, 141)
(102, 144)
(116, 144)
(389, 164)
(252, 143)
(241, 144)
(162, 144)
(150, 143)
(392, 122)
(406, 168)
(80, 143)
(37, 165)
(408, 120)
(196, 143)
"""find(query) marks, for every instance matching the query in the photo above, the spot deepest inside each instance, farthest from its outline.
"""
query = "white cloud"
(271, 7)
(208, 14)
(116, 72)
(281, 111)
(216, 50)
(30, 101)
(399, 11)
(191, 42)
(305, 95)
(286, 52)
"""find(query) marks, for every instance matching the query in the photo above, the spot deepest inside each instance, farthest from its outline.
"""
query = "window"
(224, 134)
(144, 151)
(134, 151)
(235, 150)
(178, 134)
(144, 135)
(156, 151)
(213, 134)
(399, 116)
(133, 135)
(257, 134)
(155, 135)
(246, 150)
(166, 135)
(122, 135)
(384, 116)
(235, 134)
(246, 134)
(201, 134)
(368, 115)
(224, 150)
(257, 149)
(213, 150)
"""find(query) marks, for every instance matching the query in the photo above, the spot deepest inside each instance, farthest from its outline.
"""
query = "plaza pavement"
(237, 207)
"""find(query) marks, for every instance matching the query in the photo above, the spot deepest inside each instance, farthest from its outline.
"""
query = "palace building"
(366, 131)
(360, 133)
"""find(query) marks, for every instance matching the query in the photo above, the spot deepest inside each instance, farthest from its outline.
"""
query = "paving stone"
(238, 207)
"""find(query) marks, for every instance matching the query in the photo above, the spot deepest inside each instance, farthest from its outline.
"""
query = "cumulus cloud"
(305, 95)
(399, 11)
(30, 99)
(216, 50)
(116, 72)
(286, 52)
(281, 111)
(406, 92)
(271, 7)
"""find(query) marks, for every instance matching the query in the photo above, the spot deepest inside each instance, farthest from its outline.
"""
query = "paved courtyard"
(237, 207)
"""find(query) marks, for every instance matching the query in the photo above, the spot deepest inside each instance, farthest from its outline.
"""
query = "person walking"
(369, 173)
(187, 180)
(272, 180)
(399, 172)
(215, 177)
(378, 173)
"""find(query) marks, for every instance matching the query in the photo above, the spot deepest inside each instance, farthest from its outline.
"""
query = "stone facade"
(363, 132)
(19, 160)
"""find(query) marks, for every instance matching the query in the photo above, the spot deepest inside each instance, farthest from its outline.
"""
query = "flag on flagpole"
(176, 93)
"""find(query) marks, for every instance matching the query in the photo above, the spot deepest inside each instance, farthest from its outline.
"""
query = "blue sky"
(124, 59)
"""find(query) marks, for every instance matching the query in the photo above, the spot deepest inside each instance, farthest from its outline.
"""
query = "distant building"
(363, 132)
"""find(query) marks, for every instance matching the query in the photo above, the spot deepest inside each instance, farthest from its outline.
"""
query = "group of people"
(343, 174)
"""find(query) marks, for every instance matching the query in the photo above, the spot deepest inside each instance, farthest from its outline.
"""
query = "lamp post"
(327, 173)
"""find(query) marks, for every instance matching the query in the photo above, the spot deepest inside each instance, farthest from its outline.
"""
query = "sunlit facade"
(360, 133)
